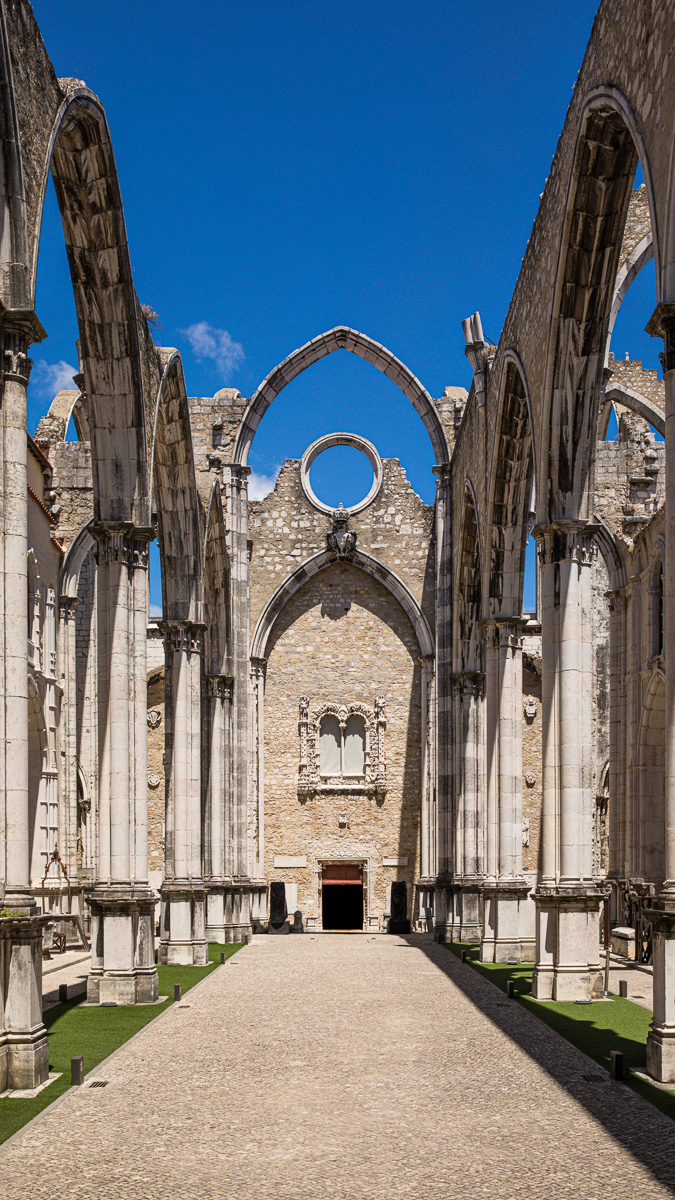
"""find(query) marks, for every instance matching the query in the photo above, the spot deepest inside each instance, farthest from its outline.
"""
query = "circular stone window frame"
(326, 443)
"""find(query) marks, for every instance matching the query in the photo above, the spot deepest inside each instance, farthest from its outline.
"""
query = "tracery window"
(342, 748)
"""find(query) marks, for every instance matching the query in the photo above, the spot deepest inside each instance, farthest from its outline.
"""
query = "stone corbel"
(662, 324)
(477, 353)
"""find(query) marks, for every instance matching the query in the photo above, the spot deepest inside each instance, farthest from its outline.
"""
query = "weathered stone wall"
(343, 637)
(532, 780)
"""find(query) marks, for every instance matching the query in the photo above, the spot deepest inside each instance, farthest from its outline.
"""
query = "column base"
(183, 927)
(501, 940)
(567, 955)
(661, 1036)
(24, 1050)
(123, 947)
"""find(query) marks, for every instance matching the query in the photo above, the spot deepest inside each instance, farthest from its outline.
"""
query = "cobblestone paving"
(346, 1067)
(71, 969)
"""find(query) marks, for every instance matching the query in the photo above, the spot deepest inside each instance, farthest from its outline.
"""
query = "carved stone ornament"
(341, 540)
(526, 831)
(530, 708)
(373, 782)
(154, 781)
(530, 779)
(154, 717)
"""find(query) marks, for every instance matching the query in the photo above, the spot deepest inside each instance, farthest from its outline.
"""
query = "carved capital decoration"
(662, 324)
(565, 541)
(68, 607)
(218, 687)
(127, 544)
(184, 637)
(154, 718)
(258, 668)
(341, 540)
(468, 684)
(374, 779)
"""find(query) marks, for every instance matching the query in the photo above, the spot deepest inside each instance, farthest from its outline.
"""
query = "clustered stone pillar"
(68, 764)
(237, 522)
(122, 901)
(661, 1038)
(219, 823)
(505, 888)
(567, 898)
(183, 930)
(443, 716)
(24, 1054)
(469, 829)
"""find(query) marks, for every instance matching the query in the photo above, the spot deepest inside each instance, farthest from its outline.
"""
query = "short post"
(463, 956)
(623, 988)
(77, 1070)
(177, 991)
(510, 989)
(223, 958)
(616, 1065)
(63, 993)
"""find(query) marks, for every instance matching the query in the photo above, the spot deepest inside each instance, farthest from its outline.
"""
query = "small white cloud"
(50, 378)
(260, 486)
(208, 342)
(155, 613)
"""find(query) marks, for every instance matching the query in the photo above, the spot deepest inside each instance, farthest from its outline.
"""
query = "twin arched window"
(342, 745)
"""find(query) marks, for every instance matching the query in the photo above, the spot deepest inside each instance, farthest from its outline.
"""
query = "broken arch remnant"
(433, 616)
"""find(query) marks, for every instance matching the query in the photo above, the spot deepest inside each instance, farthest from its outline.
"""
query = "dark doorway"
(342, 896)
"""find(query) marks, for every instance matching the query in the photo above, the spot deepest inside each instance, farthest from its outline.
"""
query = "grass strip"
(95, 1032)
(596, 1028)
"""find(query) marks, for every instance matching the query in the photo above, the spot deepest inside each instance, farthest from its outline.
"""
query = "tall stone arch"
(340, 338)
(512, 480)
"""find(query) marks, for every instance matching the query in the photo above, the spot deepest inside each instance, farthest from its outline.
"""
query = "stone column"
(122, 901)
(183, 935)
(236, 478)
(24, 1054)
(445, 866)
(68, 758)
(505, 887)
(567, 898)
(469, 817)
(617, 749)
(217, 694)
(661, 1039)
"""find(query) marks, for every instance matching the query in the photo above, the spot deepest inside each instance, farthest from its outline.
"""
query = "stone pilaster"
(68, 757)
(183, 925)
(219, 820)
(24, 1054)
(443, 693)
(567, 898)
(236, 479)
(469, 828)
(122, 901)
(505, 888)
(661, 1039)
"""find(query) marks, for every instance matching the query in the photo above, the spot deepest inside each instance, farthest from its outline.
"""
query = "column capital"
(442, 473)
(468, 683)
(258, 668)
(68, 607)
(505, 631)
(182, 635)
(662, 324)
(122, 542)
(219, 687)
(238, 472)
(562, 541)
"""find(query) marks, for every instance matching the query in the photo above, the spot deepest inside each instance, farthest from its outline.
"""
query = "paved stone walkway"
(348, 1067)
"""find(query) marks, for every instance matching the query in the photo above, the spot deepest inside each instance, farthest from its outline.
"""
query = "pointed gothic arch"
(513, 476)
(608, 147)
(319, 562)
(340, 338)
(469, 589)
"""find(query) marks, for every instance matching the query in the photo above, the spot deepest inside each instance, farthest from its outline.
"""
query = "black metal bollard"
(510, 989)
(463, 956)
(223, 958)
(177, 991)
(63, 993)
(616, 1065)
(77, 1071)
(623, 988)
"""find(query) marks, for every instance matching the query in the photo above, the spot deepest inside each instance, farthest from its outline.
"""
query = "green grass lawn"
(596, 1028)
(95, 1033)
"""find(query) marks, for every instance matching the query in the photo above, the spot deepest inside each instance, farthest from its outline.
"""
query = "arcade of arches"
(350, 703)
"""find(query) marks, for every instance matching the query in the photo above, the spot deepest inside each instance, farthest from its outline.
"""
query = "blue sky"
(289, 167)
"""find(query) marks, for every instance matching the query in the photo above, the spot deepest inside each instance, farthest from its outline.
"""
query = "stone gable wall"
(343, 637)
